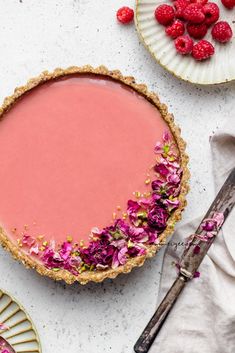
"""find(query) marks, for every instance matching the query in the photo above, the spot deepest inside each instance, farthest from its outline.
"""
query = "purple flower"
(28, 240)
(72, 264)
(218, 218)
(174, 178)
(158, 185)
(132, 208)
(162, 169)
(98, 253)
(65, 251)
(34, 249)
(171, 204)
(119, 257)
(138, 235)
(157, 218)
(123, 227)
(136, 250)
(196, 249)
(209, 225)
(51, 259)
(196, 274)
(165, 147)
(153, 236)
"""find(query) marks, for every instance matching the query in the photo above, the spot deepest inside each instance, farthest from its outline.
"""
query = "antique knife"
(192, 257)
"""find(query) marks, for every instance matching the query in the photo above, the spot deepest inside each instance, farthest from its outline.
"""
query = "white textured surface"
(43, 34)
(220, 68)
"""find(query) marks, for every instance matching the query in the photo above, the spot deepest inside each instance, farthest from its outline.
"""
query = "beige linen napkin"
(203, 319)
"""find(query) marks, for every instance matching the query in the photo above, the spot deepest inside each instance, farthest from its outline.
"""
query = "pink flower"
(132, 210)
(28, 240)
(162, 169)
(218, 218)
(209, 225)
(72, 264)
(51, 259)
(213, 223)
(119, 257)
(158, 148)
(166, 137)
(34, 249)
(138, 235)
(164, 147)
(157, 218)
(65, 251)
(173, 178)
(196, 274)
(136, 250)
(171, 204)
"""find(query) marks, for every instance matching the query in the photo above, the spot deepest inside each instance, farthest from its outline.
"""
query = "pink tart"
(93, 174)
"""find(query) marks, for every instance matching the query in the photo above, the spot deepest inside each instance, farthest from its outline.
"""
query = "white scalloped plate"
(220, 68)
(21, 335)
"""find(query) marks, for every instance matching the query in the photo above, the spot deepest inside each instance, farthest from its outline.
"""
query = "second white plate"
(21, 333)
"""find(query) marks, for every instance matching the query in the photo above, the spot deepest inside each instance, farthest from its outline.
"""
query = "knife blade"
(192, 257)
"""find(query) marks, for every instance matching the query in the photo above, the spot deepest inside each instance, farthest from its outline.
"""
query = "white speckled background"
(43, 34)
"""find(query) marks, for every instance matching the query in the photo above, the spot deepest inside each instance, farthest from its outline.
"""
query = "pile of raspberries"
(196, 17)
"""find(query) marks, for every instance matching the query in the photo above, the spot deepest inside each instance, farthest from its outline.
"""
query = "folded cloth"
(203, 318)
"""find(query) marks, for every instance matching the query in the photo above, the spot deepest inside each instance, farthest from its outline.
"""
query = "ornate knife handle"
(151, 330)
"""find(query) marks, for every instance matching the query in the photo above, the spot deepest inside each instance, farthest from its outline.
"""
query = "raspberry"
(197, 31)
(125, 15)
(228, 3)
(211, 11)
(184, 44)
(176, 29)
(201, 2)
(203, 50)
(164, 14)
(222, 32)
(194, 13)
(180, 5)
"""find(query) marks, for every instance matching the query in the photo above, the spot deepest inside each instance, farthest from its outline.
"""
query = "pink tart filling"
(73, 152)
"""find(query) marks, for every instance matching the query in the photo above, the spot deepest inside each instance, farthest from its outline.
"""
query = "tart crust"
(99, 276)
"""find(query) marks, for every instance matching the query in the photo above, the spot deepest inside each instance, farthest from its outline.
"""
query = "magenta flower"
(72, 264)
(218, 218)
(119, 257)
(52, 259)
(162, 169)
(157, 218)
(65, 251)
(163, 148)
(171, 204)
(173, 179)
(28, 240)
(34, 249)
(138, 235)
(136, 250)
(132, 208)
(209, 225)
